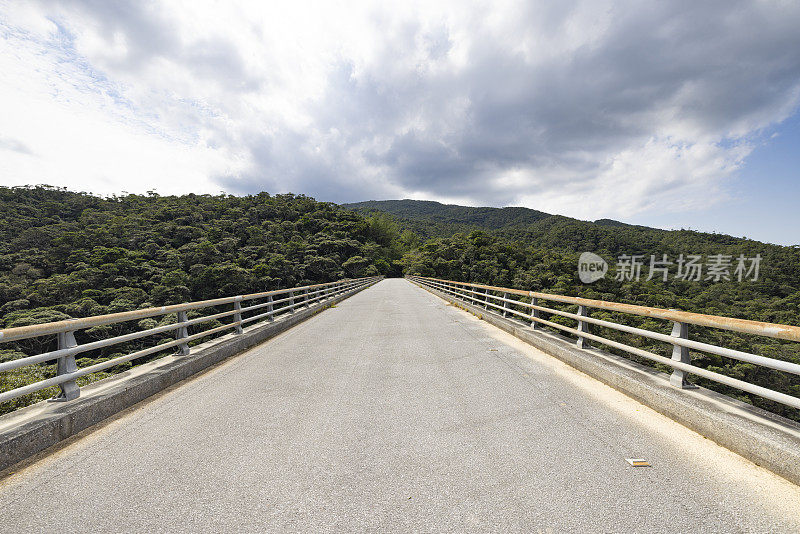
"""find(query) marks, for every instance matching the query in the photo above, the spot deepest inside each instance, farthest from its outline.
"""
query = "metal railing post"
(237, 317)
(66, 365)
(291, 301)
(535, 314)
(486, 299)
(270, 317)
(181, 333)
(680, 354)
(505, 305)
(583, 326)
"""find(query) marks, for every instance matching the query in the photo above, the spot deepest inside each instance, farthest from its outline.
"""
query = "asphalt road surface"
(394, 412)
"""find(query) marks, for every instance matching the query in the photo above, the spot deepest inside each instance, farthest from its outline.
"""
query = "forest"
(65, 254)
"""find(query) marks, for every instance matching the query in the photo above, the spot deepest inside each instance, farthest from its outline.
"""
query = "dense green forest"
(429, 219)
(59, 247)
(66, 254)
(432, 219)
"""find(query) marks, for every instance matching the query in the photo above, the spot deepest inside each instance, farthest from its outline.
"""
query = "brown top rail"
(25, 332)
(773, 330)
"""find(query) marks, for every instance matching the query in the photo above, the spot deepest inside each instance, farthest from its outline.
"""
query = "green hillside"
(421, 214)
(429, 219)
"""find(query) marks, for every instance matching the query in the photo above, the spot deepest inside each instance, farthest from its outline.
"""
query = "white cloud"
(79, 130)
(593, 109)
(660, 176)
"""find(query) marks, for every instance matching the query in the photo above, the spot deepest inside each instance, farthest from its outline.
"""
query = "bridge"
(376, 405)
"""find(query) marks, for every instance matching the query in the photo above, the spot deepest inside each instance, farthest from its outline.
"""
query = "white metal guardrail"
(500, 300)
(67, 348)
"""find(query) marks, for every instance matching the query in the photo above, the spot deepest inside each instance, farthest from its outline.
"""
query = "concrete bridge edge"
(764, 438)
(33, 429)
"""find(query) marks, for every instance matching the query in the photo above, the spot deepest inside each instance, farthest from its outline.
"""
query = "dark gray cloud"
(683, 71)
(557, 98)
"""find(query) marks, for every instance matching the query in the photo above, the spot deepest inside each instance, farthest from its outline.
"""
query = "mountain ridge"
(431, 219)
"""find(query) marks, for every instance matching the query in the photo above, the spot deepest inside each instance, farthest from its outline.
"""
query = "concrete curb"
(32, 429)
(766, 439)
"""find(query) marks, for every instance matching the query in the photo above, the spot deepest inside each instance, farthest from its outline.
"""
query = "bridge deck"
(394, 411)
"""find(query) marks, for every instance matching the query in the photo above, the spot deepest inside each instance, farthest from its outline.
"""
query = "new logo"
(591, 267)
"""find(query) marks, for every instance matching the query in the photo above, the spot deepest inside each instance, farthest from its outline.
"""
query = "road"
(394, 412)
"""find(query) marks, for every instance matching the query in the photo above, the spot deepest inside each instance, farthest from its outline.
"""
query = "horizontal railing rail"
(498, 300)
(67, 371)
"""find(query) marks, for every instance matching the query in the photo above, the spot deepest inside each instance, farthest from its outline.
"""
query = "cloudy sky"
(671, 114)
